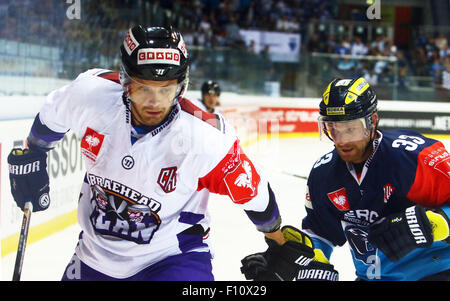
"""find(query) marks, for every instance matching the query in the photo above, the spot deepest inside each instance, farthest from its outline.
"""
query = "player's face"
(355, 151)
(151, 100)
(210, 101)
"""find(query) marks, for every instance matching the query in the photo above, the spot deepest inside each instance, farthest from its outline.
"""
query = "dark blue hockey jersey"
(405, 169)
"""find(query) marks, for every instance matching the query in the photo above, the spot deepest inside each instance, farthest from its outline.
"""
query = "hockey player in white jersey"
(210, 97)
(151, 159)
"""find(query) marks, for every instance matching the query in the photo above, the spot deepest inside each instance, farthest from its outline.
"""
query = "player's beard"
(355, 152)
(148, 116)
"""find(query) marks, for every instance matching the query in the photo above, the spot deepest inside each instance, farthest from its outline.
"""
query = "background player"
(210, 97)
(386, 193)
(151, 161)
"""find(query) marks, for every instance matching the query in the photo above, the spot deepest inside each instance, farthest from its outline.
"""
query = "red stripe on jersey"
(431, 187)
(112, 76)
(234, 176)
(192, 109)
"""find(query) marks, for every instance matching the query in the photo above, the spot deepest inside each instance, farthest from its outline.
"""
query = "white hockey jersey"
(202, 106)
(143, 202)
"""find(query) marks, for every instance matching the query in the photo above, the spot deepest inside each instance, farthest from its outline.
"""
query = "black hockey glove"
(400, 233)
(29, 178)
(279, 262)
(317, 271)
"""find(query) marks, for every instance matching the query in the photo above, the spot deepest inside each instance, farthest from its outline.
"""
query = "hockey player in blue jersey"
(386, 193)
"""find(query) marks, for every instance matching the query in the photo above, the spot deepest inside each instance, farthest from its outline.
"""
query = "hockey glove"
(279, 262)
(29, 178)
(317, 271)
(400, 233)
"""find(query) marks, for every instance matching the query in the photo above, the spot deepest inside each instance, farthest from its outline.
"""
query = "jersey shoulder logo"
(242, 182)
(91, 144)
(167, 179)
(245, 178)
(339, 199)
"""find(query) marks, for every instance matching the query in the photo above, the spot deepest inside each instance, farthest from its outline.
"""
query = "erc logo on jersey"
(167, 179)
(339, 199)
(91, 144)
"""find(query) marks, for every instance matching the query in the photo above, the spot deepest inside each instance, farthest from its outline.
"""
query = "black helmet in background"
(210, 87)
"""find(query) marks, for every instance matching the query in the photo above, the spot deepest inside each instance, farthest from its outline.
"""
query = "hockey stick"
(284, 172)
(292, 174)
(28, 209)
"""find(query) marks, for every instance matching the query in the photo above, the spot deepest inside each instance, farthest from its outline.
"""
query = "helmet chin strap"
(369, 147)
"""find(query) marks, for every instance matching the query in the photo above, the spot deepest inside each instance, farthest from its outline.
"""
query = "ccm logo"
(24, 169)
(158, 56)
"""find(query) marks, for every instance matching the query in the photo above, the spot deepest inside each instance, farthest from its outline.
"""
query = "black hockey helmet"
(210, 87)
(347, 99)
(154, 53)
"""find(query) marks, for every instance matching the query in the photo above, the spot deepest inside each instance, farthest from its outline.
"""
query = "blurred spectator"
(232, 35)
(377, 45)
(390, 49)
(381, 66)
(441, 41)
(436, 70)
(444, 52)
(446, 75)
(204, 25)
(283, 24)
(358, 47)
(431, 49)
(314, 44)
(343, 47)
(251, 48)
(294, 25)
(370, 75)
(330, 44)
